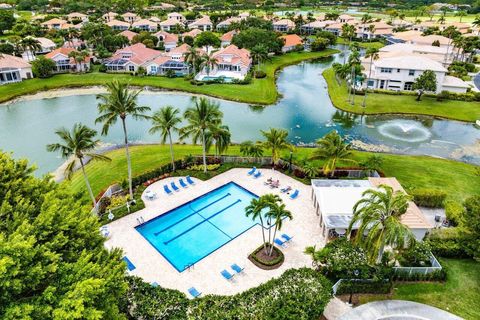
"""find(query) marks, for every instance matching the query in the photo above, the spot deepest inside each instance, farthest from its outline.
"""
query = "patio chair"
(280, 243)
(130, 265)
(182, 183)
(287, 237)
(227, 275)
(252, 171)
(286, 189)
(294, 195)
(257, 174)
(235, 267)
(168, 191)
(194, 292)
(189, 180)
(268, 182)
(174, 186)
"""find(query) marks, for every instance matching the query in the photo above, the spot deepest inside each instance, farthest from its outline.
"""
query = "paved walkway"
(397, 310)
(336, 308)
(205, 276)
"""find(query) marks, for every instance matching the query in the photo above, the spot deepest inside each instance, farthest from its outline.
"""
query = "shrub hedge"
(447, 242)
(431, 198)
(438, 275)
(276, 261)
(296, 294)
(364, 286)
(454, 212)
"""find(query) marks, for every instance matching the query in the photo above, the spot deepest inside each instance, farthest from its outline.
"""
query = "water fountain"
(404, 130)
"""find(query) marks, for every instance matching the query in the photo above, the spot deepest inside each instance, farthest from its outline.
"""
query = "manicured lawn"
(459, 295)
(456, 178)
(401, 104)
(366, 45)
(260, 91)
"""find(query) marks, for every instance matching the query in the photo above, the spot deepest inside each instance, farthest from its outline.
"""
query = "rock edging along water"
(260, 91)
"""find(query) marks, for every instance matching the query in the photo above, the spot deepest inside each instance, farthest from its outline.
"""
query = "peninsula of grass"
(459, 180)
(378, 103)
(260, 91)
(458, 295)
(365, 45)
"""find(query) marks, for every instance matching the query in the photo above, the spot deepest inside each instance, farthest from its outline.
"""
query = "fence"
(343, 286)
(420, 270)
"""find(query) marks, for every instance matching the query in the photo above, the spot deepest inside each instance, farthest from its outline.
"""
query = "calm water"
(305, 111)
(191, 232)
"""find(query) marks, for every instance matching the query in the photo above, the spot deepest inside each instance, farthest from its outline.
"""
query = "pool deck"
(205, 275)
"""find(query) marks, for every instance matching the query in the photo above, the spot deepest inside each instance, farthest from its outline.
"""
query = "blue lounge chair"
(182, 183)
(227, 275)
(280, 243)
(130, 265)
(286, 189)
(287, 237)
(252, 171)
(154, 284)
(294, 194)
(189, 180)
(174, 186)
(235, 267)
(168, 191)
(257, 174)
(194, 292)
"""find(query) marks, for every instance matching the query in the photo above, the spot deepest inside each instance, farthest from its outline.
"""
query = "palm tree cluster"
(270, 210)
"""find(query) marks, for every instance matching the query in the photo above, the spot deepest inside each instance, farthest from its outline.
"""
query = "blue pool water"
(189, 233)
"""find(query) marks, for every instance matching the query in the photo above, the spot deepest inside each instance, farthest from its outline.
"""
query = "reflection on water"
(305, 110)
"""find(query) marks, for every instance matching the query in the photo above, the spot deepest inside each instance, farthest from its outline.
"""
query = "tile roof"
(282, 22)
(233, 55)
(115, 22)
(192, 33)
(413, 62)
(292, 40)
(139, 53)
(167, 37)
(144, 22)
(205, 20)
(8, 61)
(227, 37)
(129, 34)
(54, 21)
(170, 22)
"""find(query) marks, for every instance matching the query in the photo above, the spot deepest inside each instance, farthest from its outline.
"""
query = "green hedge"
(431, 198)
(447, 242)
(454, 212)
(297, 294)
(438, 275)
(364, 286)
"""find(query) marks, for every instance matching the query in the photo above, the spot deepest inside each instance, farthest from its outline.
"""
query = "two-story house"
(283, 25)
(130, 58)
(118, 25)
(232, 63)
(203, 24)
(169, 40)
(145, 25)
(13, 69)
(65, 63)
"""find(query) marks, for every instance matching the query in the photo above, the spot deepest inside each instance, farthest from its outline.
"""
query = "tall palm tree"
(276, 140)
(118, 103)
(221, 137)
(379, 213)
(166, 121)
(259, 53)
(476, 22)
(348, 32)
(202, 117)
(193, 58)
(209, 62)
(277, 213)
(78, 57)
(30, 45)
(249, 148)
(372, 53)
(332, 148)
(77, 144)
(254, 210)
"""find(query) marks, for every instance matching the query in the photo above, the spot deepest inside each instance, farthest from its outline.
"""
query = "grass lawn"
(459, 295)
(260, 91)
(456, 178)
(401, 104)
(366, 45)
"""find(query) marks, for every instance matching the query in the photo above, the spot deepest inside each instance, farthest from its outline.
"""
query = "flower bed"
(265, 262)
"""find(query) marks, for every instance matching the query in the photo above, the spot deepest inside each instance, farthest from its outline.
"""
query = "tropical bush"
(431, 198)
(365, 286)
(259, 74)
(297, 294)
(437, 275)
(418, 255)
(199, 167)
(454, 212)
(447, 242)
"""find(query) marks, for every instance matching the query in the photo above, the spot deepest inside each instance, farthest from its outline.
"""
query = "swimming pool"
(189, 233)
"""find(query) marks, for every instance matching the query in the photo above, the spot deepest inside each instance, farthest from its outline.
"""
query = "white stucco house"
(283, 25)
(203, 24)
(14, 69)
(232, 63)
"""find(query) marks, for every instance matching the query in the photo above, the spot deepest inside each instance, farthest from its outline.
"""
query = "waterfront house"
(292, 42)
(14, 69)
(118, 25)
(380, 29)
(283, 25)
(397, 71)
(64, 63)
(130, 58)
(145, 25)
(46, 45)
(232, 63)
(164, 64)
(169, 40)
(203, 24)
(439, 54)
(315, 26)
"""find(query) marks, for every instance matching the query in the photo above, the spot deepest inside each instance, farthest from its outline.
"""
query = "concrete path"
(336, 308)
(397, 310)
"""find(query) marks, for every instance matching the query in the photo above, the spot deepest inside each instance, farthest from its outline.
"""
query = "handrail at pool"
(199, 223)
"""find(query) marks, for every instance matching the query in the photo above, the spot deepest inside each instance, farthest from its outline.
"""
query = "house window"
(153, 69)
(411, 72)
(386, 70)
(408, 86)
(370, 83)
(131, 68)
(398, 70)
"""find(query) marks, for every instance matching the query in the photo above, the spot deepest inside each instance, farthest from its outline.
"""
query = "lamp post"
(356, 273)
(290, 162)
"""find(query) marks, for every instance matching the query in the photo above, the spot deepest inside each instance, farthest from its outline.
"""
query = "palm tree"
(476, 22)
(277, 213)
(379, 213)
(348, 32)
(79, 57)
(201, 117)
(165, 121)
(209, 62)
(30, 45)
(77, 144)
(276, 140)
(372, 53)
(248, 148)
(310, 170)
(332, 148)
(120, 102)
(193, 58)
(461, 14)
(254, 210)
(259, 53)
(221, 137)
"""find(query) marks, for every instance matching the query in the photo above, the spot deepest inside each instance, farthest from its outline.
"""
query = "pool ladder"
(189, 266)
